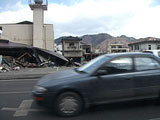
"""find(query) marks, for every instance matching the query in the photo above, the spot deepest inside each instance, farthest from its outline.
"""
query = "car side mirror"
(101, 72)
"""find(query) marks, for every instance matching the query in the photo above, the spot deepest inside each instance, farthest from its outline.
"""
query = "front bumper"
(46, 99)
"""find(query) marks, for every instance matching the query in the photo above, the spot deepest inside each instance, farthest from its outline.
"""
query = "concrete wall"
(38, 30)
(76, 46)
(144, 46)
(48, 37)
(23, 33)
(19, 33)
(73, 54)
(72, 51)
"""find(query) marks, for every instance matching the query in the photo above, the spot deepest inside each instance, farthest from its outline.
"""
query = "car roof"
(128, 54)
(151, 50)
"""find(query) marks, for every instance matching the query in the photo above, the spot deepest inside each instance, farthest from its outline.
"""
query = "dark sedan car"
(105, 79)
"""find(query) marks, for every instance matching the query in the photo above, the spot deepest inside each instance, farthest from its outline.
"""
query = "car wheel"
(68, 104)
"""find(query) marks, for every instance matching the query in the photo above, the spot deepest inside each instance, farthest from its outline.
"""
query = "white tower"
(38, 7)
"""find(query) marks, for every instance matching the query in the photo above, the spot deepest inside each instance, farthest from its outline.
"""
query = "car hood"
(59, 77)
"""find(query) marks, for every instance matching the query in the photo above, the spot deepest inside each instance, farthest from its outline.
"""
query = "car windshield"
(93, 64)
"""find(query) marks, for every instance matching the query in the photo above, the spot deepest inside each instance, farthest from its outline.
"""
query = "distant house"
(87, 48)
(148, 43)
(117, 47)
(71, 48)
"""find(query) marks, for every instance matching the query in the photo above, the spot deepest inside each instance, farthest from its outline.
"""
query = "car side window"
(158, 54)
(119, 65)
(144, 63)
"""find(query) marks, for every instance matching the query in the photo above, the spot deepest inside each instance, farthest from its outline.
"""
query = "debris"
(77, 64)
(14, 56)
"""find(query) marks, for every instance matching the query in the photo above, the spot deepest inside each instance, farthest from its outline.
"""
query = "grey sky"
(134, 18)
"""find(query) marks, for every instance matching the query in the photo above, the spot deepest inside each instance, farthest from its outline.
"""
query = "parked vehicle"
(105, 79)
(155, 52)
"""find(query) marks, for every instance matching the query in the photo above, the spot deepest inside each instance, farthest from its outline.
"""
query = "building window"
(131, 47)
(113, 46)
(136, 47)
(71, 44)
(149, 47)
(119, 46)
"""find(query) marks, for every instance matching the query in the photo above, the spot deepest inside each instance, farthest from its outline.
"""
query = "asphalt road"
(16, 103)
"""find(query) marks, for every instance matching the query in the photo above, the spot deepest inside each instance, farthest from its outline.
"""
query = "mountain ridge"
(101, 40)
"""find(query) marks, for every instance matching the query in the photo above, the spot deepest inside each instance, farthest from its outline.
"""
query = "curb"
(30, 76)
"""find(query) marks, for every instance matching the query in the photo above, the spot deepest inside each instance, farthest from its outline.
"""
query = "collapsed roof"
(36, 55)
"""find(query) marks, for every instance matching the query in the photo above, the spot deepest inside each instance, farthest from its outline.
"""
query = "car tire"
(68, 104)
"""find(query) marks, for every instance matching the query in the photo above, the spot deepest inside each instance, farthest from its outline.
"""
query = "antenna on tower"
(38, 2)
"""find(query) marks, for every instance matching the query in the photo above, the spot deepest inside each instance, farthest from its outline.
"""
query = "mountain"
(90, 39)
(58, 40)
(98, 39)
(95, 39)
(103, 46)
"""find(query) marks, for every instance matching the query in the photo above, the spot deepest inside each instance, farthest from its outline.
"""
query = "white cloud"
(136, 18)
(17, 13)
(144, 23)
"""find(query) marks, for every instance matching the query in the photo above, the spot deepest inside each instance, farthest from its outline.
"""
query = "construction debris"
(14, 56)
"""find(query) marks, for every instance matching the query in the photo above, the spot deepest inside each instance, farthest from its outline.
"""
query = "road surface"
(16, 103)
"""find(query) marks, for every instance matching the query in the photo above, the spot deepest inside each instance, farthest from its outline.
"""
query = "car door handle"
(127, 78)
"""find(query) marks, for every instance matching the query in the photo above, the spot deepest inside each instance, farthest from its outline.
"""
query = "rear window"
(146, 64)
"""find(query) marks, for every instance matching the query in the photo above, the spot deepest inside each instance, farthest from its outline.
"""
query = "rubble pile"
(14, 56)
(9, 63)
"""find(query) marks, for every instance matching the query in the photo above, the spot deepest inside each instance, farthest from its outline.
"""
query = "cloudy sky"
(134, 18)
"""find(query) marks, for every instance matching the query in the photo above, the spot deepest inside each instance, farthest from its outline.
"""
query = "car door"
(117, 83)
(146, 77)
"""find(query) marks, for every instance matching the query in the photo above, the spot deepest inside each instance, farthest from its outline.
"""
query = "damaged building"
(75, 49)
(71, 48)
(29, 44)
(16, 54)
